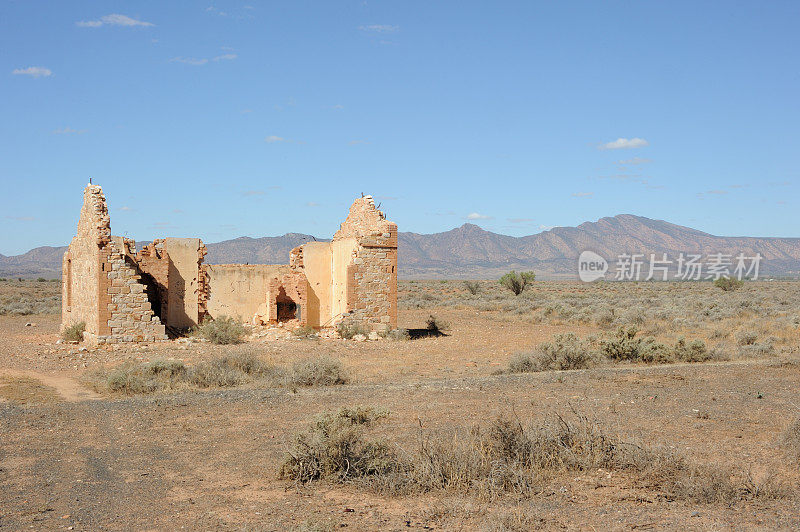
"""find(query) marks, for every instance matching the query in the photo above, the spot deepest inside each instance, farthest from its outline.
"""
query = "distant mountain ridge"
(472, 252)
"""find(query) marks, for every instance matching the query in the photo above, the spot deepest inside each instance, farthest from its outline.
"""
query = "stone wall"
(131, 316)
(372, 274)
(124, 296)
(84, 290)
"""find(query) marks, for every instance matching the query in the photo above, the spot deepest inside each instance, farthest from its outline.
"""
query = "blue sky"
(226, 119)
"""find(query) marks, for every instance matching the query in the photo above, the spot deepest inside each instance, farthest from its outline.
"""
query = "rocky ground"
(77, 458)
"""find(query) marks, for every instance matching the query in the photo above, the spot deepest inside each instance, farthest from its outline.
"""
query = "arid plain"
(682, 412)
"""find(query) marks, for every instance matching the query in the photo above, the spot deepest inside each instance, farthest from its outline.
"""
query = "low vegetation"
(320, 371)
(348, 329)
(791, 441)
(566, 351)
(728, 284)
(229, 370)
(516, 282)
(26, 298)
(503, 458)
(436, 325)
(223, 330)
(74, 333)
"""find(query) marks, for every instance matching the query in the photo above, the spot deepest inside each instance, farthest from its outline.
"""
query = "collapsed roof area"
(124, 295)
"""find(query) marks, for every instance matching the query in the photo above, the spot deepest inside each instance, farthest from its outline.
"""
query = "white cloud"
(635, 160)
(113, 20)
(379, 28)
(34, 72)
(546, 227)
(125, 208)
(312, 204)
(338, 106)
(189, 61)
(249, 193)
(68, 131)
(583, 194)
(478, 216)
(274, 138)
(622, 143)
(225, 57)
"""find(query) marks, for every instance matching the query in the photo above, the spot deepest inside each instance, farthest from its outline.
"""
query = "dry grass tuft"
(74, 333)
(320, 371)
(221, 331)
(26, 391)
(566, 351)
(232, 369)
(504, 458)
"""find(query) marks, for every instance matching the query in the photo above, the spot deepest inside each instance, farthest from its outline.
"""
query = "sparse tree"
(473, 287)
(516, 282)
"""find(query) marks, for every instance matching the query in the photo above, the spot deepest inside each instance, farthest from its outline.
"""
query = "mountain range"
(470, 252)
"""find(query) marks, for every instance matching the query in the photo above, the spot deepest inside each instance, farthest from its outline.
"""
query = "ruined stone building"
(125, 295)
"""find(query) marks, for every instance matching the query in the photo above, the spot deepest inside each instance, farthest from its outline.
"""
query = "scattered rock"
(359, 338)
(374, 336)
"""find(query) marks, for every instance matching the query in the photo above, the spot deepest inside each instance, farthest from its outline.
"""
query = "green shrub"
(222, 330)
(728, 284)
(694, 351)
(321, 371)
(74, 333)
(41, 280)
(624, 345)
(653, 352)
(516, 282)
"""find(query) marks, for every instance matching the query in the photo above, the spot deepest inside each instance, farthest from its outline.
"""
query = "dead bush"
(504, 458)
(170, 374)
(334, 448)
(347, 329)
(566, 351)
(436, 325)
(222, 330)
(473, 287)
(746, 337)
(320, 371)
(399, 334)
(74, 333)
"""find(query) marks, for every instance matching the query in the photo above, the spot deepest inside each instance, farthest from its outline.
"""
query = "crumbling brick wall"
(101, 285)
(131, 316)
(153, 263)
(287, 287)
(84, 292)
(372, 275)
